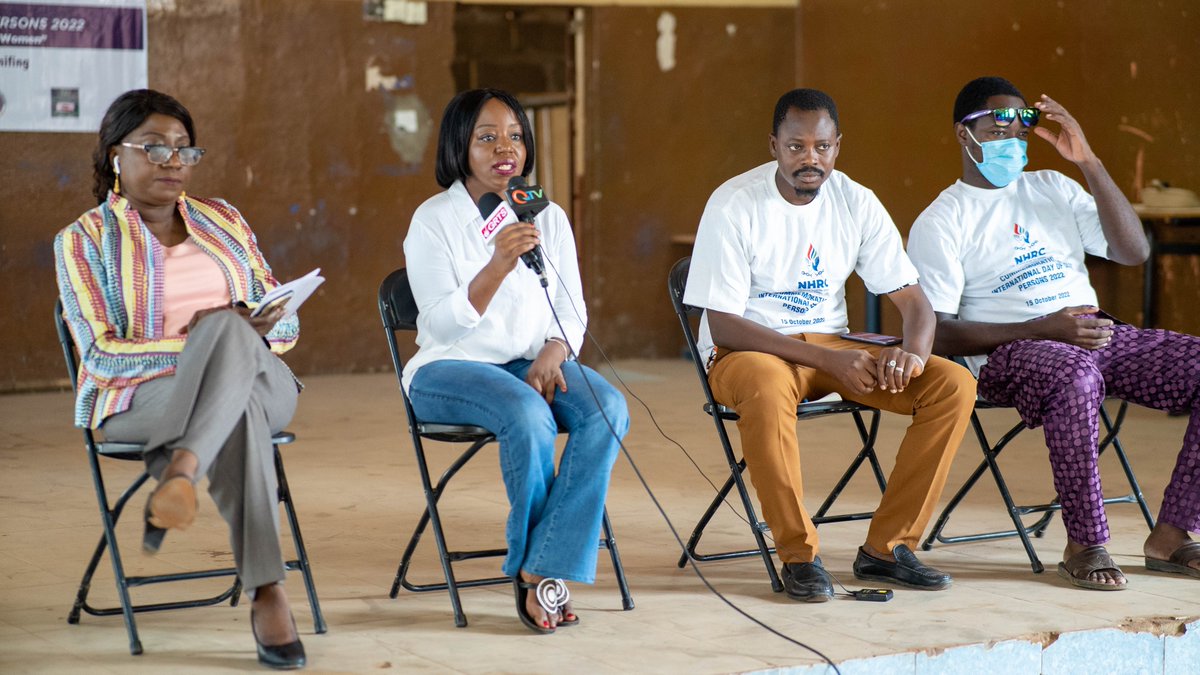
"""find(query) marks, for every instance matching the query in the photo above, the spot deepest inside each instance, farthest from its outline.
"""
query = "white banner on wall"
(62, 62)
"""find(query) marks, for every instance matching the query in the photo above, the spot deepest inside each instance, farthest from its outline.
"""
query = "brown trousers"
(765, 391)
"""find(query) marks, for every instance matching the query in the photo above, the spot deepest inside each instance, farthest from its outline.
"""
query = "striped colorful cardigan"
(110, 279)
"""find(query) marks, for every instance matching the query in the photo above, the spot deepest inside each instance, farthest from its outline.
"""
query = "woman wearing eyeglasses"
(157, 288)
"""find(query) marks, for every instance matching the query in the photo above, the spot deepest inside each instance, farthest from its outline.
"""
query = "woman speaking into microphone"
(492, 355)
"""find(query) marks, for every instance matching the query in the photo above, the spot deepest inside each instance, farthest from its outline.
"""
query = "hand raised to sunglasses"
(1069, 141)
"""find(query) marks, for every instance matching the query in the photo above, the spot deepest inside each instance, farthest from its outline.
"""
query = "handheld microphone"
(528, 201)
(496, 214)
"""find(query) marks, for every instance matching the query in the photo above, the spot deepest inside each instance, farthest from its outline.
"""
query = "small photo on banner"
(63, 62)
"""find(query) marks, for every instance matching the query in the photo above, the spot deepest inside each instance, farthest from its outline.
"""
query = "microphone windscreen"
(488, 203)
(496, 214)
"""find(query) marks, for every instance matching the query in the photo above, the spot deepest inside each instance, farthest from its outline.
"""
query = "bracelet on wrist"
(561, 343)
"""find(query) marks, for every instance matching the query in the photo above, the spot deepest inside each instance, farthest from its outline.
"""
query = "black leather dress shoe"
(288, 656)
(808, 582)
(906, 571)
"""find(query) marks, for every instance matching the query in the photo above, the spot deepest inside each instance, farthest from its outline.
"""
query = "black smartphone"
(872, 338)
(1105, 315)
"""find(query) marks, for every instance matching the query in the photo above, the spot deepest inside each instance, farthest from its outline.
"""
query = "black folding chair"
(110, 513)
(398, 309)
(991, 451)
(721, 414)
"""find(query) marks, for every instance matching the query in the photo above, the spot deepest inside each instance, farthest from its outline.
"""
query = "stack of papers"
(292, 294)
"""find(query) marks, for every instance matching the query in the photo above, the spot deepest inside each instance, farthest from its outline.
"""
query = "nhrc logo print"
(813, 258)
(1024, 238)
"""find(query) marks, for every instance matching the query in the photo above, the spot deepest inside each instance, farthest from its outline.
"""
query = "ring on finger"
(892, 364)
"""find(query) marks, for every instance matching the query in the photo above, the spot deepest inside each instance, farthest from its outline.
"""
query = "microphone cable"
(645, 485)
(860, 594)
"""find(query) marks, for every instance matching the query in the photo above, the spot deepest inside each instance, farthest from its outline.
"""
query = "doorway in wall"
(531, 52)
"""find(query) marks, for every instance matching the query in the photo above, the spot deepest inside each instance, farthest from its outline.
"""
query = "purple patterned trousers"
(1061, 388)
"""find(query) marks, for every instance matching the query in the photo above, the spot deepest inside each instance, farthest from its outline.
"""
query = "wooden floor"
(353, 478)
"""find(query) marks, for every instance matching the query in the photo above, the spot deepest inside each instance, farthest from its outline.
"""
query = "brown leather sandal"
(1080, 566)
(1179, 562)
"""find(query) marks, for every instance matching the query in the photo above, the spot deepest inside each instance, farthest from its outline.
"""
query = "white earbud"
(117, 165)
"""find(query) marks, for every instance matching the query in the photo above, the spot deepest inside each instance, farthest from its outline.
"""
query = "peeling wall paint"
(375, 79)
(409, 125)
(665, 45)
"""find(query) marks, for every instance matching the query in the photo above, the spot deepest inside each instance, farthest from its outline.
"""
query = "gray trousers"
(228, 396)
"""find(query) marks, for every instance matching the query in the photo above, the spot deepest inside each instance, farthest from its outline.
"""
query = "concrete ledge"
(1147, 646)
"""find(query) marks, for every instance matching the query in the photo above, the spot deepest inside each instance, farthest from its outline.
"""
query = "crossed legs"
(215, 417)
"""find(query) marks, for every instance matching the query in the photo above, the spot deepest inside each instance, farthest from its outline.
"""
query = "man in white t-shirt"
(773, 251)
(1001, 255)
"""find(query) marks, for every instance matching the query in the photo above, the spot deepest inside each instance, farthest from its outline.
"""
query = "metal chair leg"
(85, 584)
(406, 559)
(871, 436)
(698, 531)
(1018, 525)
(940, 525)
(431, 516)
(301, 563)
(1111, 438)
(764, 550)
(1114, 428)
(610, 542)
(114, 553)
(432, 494)
(867, 453)
(989, 463)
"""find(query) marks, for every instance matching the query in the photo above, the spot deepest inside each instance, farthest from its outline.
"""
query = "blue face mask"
(1003, 160)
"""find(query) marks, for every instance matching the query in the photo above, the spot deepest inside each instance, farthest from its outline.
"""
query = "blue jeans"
(554, 523)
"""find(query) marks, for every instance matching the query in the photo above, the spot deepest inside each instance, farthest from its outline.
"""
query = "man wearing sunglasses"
(773, 251)
(1001, 256)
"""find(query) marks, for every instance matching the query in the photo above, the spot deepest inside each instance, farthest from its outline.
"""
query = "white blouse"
(444, 251)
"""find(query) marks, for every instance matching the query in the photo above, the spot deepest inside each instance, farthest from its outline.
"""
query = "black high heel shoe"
(288, 656)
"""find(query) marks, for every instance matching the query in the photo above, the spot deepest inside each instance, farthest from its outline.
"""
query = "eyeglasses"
(1006, 116)
(161, 154)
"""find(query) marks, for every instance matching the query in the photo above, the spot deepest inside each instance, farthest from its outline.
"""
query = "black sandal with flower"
(551, 595)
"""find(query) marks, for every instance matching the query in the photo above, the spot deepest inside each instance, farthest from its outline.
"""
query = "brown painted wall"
(295, 141)
(658, 143)
(1110, 62)
(298, 143)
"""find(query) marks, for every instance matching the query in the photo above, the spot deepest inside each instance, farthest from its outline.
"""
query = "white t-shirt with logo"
(785, 266)
(1009, 254)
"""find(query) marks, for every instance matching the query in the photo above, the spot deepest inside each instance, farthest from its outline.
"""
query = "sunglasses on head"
(1006, 116)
